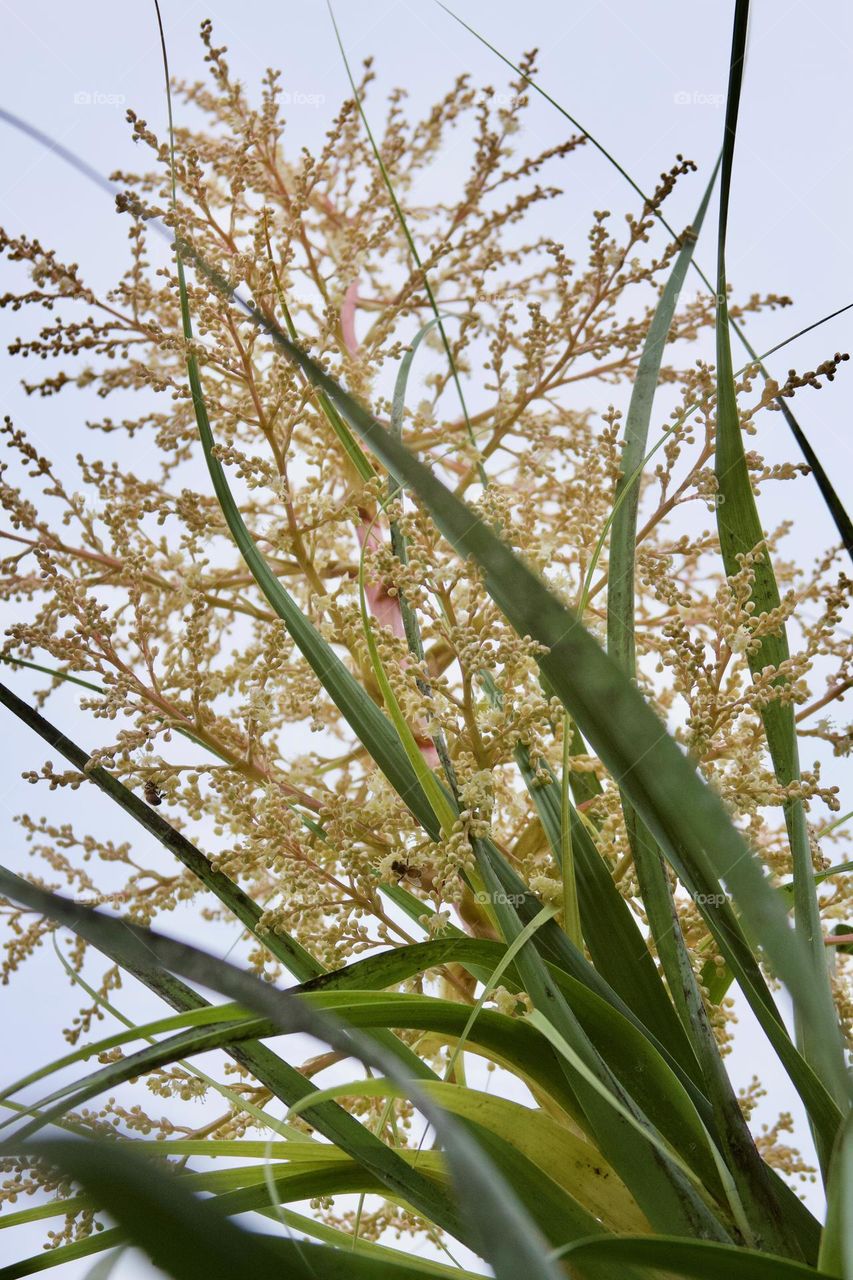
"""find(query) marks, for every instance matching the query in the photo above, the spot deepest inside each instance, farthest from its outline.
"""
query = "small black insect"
(152, 792)
(403, 871)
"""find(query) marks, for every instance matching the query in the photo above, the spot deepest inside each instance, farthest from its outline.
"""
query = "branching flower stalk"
(126, 583)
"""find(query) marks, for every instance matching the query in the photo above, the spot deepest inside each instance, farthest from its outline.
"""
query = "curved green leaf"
(741, 535)
(753, 1194)
(612, 934)
(657, 1177)
(553, 1148)
(623, 532)
(491, 1215)
(696, 1259)
(296, 959)
(184, 1235)
(836, 1246)
(191, 1238)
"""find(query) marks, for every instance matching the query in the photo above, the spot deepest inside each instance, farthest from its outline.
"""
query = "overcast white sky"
(647, 79)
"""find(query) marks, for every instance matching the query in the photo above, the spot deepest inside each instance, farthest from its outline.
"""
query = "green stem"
(571, 908)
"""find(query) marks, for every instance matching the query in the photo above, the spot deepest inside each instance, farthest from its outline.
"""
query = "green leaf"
(566, 856)
(184, 1235)
(549, 1145)
(488, 1213)
(623, 531)
(611, 932)
(836, 1246)
(398, 402)
(327, 1171)
(697, 1259)
(658, 1179)
(286, 949)
(191, 1238)
(753, 1194)
(104, 1267)
(549, 1169)
(741, 535)
(493, 980)
(331, 1235)
(194, 1018)
(43, 1261)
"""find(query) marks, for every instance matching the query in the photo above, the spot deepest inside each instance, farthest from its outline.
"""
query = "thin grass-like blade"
(413, 249)
(184, 1235)
(335, 1267)
(623, 532)
(836, 508)
(160, 1026)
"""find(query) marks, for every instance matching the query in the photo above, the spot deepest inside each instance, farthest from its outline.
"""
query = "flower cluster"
(126, 577)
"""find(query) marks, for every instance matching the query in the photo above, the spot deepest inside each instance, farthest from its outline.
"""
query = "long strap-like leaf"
(758, 1194)
(741, 535)
(193, 1238)
(297, 960)
(491, 1216)
(623, 532)
(692, 1259)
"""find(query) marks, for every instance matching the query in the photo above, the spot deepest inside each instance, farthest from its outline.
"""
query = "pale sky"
(647, 80)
